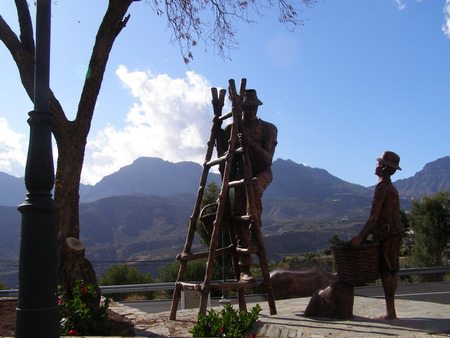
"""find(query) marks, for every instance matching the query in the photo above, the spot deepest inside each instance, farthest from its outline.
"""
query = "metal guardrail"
(171, 286)
(423, 271)
(136, 288)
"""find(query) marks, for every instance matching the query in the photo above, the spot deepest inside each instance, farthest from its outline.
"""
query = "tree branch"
(191, 21)
(22, 57)
(26, 26)
(113, 22)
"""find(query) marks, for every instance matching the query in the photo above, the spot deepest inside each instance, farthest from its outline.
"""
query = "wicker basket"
(357, 266)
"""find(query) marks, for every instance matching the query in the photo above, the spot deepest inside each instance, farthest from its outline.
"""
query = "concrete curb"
(416, 319)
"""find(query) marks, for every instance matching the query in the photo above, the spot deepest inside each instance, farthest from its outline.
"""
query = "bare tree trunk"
(72, 264)
(71, 136)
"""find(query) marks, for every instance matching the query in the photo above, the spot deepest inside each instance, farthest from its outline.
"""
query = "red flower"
(60, 301)
(221, 329)
(84, 291)
(73, 333)
(251, 336)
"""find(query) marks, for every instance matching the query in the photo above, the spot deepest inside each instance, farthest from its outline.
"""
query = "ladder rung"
(198, 255)
(226, 116)
(252, 250)
(236, 183)
(225, 249)
(216, 161)
(236, 285)
(190, 286)
(243, 218)
(222, 159)
(192, 257)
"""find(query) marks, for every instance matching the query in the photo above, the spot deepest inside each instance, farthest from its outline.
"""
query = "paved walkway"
(416, 319)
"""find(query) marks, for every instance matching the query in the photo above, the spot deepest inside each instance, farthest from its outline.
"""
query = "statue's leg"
(389, 281)
(389, 265)
(243, 236)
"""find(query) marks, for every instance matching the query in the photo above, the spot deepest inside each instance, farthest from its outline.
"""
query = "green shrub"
(228, 323)
(82, 315)
(3, 286)
(122, 274)
(327, 251)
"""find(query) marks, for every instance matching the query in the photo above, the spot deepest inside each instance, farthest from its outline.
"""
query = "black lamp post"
(37, 309)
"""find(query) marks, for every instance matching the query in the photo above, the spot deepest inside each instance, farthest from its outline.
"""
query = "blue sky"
(358, 78)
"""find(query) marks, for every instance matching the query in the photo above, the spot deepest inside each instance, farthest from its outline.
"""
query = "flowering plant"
(228, 323)
(81, 314)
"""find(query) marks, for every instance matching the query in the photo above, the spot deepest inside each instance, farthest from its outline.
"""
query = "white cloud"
(12, 150)
(170, 120)
(401, 6)
(446, 25)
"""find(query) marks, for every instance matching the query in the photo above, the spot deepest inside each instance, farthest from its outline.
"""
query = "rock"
(292, 284)
(334, 302)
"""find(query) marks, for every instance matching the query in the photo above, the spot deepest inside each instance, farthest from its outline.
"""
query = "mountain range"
(154, 176)
(140, 212)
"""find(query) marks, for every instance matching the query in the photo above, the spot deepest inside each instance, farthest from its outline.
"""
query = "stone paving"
(416, 319)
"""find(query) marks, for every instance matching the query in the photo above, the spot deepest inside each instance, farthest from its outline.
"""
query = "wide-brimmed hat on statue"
(390, 159)
(250, 98)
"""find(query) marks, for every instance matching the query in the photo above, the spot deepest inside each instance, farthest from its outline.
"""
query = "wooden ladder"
(222, 209)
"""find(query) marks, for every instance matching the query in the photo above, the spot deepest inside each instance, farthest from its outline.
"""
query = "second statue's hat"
(391, 159)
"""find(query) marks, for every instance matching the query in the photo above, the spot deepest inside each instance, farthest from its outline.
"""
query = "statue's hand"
(356, 241)
(244, 139)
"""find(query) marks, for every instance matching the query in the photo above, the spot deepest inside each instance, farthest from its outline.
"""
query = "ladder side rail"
(237, 119)
(217, 102)
(266, 276)
(256, 223)
(223, 197)
(250, 210)
(222, 200)
(234, 255)
(177, 293)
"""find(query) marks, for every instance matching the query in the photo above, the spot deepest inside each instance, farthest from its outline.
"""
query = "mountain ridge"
(303, 208)
(154, 176)
(423, 182)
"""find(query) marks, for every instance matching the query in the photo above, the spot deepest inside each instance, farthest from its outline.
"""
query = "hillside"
(293, 180)
(148, 176)
(153, 176)
(435, 176)
(133, 218)
(12, 191)
(128, 227)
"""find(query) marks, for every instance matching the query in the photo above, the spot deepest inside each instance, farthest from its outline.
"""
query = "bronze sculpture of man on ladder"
(245, 150)
(259, 139)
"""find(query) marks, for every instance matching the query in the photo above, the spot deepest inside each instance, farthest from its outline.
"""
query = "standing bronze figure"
(385, 226)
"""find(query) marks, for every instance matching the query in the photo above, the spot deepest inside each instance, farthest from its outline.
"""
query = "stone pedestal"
(334, 302)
